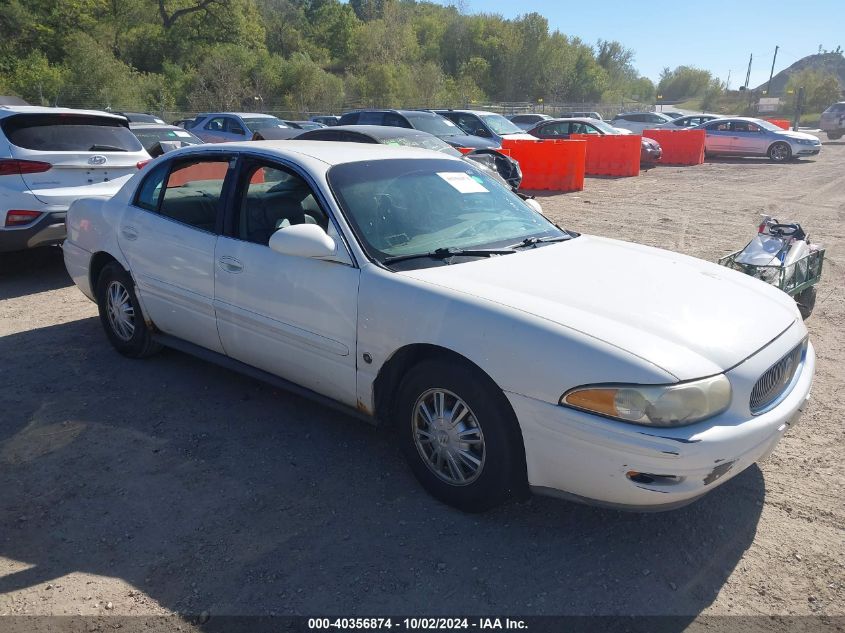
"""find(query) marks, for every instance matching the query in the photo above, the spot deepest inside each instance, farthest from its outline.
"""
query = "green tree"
(820, 88)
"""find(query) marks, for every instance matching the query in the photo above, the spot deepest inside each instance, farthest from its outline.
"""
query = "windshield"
(150, 136)
(433, 124)
(426, 141)
(766, 125)
(263, 123)
(604, 127)
(410, 206)
(500, 125)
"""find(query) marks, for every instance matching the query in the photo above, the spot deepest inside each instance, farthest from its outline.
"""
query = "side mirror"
(481, 132)
(303, 240)
(237, 130)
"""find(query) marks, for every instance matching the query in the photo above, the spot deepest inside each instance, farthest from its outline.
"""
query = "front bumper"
(587, 458)
(48, 229)
(650, 155)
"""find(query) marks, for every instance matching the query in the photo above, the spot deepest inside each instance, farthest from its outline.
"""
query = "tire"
(806, 300)
(780, 152)
(834, 136)
(487, 434)
(120, 313)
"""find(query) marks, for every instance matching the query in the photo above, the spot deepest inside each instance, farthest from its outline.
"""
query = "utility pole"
(799, 105)
(748, 74)
(728, 82)
(771, 74)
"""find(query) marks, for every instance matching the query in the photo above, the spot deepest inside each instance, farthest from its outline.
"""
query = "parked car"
(650, 150)
(672, 114)
(744, 136)
(581, 115)
(142, 117)
(221, 127)
(639, 121)
(687, 121)
(502, 166)
(414, 290)
(49, 157)
(833, 121)
(527, 121)
(487, 125)
(276, 133)
(304, 125)
(158, 139)
(326, 119)
(422, 120)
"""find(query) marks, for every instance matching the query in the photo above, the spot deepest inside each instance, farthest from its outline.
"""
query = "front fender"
(521, 352)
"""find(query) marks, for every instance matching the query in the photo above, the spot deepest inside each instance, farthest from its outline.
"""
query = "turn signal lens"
(667, 405)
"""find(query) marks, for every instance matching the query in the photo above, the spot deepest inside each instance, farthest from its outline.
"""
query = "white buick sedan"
(417, 291)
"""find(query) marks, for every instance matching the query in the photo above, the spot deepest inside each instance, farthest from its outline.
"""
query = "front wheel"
(834, 136)
(120, 313)
(780, 152)
(460, 436)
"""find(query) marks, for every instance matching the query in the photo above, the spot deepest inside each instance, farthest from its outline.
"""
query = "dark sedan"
(650, 150)
(425, 121)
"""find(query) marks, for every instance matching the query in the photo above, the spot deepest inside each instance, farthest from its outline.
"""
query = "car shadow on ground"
(209, 491)
(752, 160)
(29, 272)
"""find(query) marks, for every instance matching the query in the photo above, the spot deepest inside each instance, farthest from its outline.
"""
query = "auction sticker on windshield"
(462, 182)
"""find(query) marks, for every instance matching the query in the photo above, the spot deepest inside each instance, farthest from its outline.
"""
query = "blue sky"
(716, 35)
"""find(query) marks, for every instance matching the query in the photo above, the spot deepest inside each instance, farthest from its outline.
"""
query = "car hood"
(690, 317)
(518, 137)
(799, 135)
(465, 140)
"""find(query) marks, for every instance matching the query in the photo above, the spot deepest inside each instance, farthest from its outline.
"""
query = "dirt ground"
(170, 485)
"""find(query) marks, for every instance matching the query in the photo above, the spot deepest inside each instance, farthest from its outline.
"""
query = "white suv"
(636, 122)
(49, 157)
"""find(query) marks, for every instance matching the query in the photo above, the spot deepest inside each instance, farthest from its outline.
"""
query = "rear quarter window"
(69, 133)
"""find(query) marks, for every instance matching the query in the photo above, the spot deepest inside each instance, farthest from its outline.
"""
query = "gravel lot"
(171, 485)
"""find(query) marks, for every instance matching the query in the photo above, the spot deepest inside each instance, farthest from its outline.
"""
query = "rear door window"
(193, 192)
(69, 133)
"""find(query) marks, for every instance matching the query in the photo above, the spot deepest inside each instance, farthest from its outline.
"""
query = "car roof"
(476, 112)
(327, 152)
(578, 119)
(379, 131)
(251, 115)
(11, 110)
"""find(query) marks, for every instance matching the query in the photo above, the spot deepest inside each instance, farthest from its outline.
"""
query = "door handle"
(129, 233)
(230, 264)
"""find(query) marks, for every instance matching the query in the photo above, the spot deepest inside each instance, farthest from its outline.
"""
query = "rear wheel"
(459, 435)
(780, 152)
(120, 313)
(806, 300)
(834, 136)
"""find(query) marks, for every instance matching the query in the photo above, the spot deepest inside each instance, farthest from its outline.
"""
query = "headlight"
(805, 141)
(666, 405)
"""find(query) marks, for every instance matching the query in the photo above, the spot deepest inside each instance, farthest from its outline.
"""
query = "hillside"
(825, 62)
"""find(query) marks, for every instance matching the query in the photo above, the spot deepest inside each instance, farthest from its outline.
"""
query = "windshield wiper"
(106, 148)
(446, 253)
(533, 241)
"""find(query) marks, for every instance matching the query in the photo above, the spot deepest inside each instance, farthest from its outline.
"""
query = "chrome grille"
(777, 378)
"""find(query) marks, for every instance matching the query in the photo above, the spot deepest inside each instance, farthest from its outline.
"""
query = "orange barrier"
(611, 155)
(465, 150)
(680, 147)
(781, 123)
(550, 165)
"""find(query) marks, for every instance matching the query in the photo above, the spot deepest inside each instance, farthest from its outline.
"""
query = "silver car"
(688, 121)
(744, 136)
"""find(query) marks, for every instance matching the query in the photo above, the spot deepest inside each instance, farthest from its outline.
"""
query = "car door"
(748, 138)
(294, 317)
(718, 137)
(168, 234)
(237, 130)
